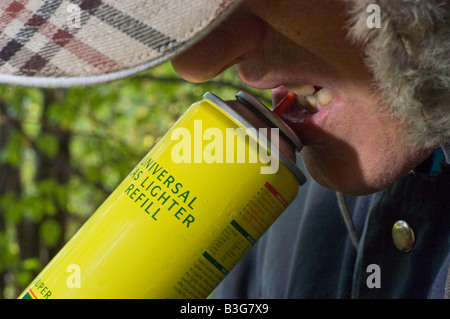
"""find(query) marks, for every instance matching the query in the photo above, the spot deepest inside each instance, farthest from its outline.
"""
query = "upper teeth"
(324, 96)
(302, 89)
(309, 98)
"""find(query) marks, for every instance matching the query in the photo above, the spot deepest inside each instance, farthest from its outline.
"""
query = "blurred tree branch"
(9, 184)
(61, 164)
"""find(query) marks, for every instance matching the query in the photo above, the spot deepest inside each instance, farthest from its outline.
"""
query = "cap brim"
(62, 43)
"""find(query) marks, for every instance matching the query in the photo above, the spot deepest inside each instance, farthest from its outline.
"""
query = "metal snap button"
(403, 236)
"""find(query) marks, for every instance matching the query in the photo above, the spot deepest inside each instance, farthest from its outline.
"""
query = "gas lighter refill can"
(187, 213)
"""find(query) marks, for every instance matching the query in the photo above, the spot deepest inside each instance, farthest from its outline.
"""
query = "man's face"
(352, 144)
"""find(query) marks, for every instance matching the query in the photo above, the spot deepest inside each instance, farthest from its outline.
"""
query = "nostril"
(228, 44)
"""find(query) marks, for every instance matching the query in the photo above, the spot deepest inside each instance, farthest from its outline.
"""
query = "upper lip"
(271, 84)
(279, 85)
(278, 94)
(271, 80)
(276, 82)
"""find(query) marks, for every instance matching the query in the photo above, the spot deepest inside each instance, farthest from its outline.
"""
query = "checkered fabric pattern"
(57, 43)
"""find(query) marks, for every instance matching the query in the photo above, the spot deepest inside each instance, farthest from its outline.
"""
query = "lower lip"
(307, 126)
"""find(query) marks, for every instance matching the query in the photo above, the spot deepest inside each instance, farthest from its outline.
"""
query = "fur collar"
(409, 55)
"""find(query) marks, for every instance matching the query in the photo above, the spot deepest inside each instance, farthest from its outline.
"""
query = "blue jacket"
(307, 252)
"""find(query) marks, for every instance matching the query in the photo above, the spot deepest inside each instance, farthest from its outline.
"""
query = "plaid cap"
(62, 43)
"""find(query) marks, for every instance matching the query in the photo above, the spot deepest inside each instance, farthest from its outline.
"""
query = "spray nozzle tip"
(284, 104)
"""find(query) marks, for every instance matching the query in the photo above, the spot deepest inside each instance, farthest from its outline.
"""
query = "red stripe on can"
(276, 194)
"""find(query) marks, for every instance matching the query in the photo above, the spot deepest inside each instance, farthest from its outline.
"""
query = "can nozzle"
(284, 104)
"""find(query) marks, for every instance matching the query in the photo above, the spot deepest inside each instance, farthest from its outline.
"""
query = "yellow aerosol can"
(187, 213)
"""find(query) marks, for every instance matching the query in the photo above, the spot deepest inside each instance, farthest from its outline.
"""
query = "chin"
(344, 182)
(346, 174)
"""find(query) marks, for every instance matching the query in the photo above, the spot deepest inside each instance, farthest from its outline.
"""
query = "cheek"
(361, 154)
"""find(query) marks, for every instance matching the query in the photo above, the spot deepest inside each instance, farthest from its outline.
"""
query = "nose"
(231, 42)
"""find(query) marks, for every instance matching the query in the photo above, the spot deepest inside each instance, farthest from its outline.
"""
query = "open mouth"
(311, 99)
(298, 101)
(304, 107)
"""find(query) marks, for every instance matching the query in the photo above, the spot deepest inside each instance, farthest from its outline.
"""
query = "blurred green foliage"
(63, 151)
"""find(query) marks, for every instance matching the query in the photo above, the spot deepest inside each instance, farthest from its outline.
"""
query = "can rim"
(275, 120)
(292, 167)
